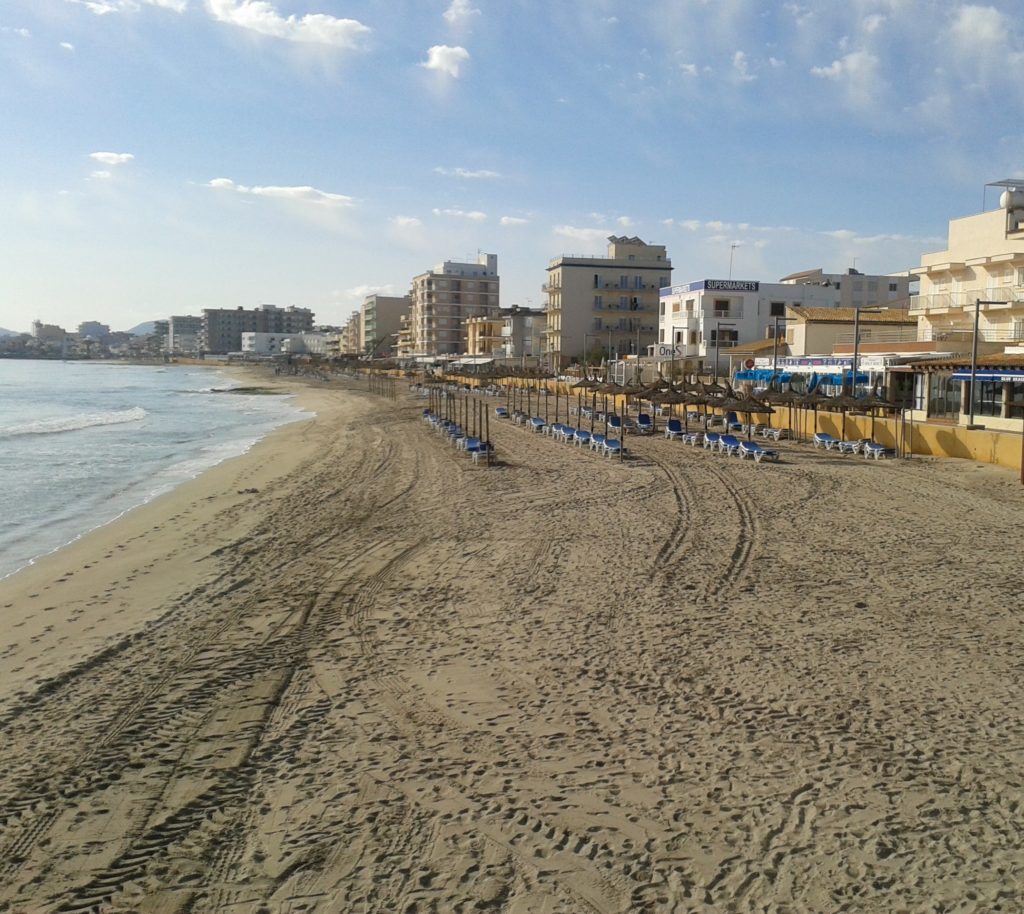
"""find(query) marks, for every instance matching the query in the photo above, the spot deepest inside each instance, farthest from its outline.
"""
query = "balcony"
(727, 313)
(964, 299)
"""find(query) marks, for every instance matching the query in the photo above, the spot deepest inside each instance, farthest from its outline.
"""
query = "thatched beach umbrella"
(748, 406)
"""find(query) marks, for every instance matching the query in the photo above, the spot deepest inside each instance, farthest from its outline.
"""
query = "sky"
(159, 157)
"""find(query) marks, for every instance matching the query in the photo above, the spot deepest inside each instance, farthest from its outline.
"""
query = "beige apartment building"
(515, 333)
(984, 262)
(379, 323)
(444, 298)
(854, 289)
(977, 281)
(604, 304)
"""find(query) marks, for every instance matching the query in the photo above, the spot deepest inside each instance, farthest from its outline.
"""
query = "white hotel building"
(701, 321)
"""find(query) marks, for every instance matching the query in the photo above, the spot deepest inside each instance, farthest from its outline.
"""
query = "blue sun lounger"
(822, 439)
(711, 440)
(729, 445)
(674, 429)
(753, 449)
(644, 424)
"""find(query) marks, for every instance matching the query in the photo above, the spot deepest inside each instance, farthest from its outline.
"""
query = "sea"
(81, 443)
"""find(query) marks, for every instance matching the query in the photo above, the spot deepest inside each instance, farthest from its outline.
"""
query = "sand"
(352, 672)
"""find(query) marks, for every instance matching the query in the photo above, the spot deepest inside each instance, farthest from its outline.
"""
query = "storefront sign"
(717, 285)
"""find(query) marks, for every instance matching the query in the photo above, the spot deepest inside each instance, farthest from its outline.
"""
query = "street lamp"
(775, 347)
(718, 337)
(978, 302)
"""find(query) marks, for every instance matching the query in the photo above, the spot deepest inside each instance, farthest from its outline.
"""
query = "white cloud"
(67, 45)
(112, 158)
(873, 22)
(688, 69)
(445, 59)
(513, 220)
(21, 33)
(857, 72)
(742, 67)
(466, 173)
(300, 194)
(406, 221)
(473, 216)
(588, 235)
(314, 28)
(460, 12)
(105, 7)
(691, 225)
(625, 222)
(102, 175)
(360, 293)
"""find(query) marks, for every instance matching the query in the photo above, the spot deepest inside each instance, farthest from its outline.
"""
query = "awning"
(474, 360)
(844, 378)
(1009, 376)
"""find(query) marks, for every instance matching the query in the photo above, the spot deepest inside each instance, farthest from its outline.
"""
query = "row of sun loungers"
(567, 434)
(864, 446)
(476, 448)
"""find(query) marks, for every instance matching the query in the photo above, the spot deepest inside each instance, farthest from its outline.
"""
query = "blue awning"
(1007, 376)
(844, 378)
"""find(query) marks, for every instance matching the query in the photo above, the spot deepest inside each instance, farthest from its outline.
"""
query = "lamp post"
(978, 302)
(718, 337)
(775, 346)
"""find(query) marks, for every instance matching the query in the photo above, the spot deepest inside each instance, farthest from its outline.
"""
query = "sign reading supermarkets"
(719, 285)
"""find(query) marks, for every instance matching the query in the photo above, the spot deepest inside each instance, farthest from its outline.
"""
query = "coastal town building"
(605, 305)
(380, 316)
(48, 333)
(973, 293)
(702, 321)
(183, 333)
(856, 290)
(222, 328)
(95, 329)
(444, 298)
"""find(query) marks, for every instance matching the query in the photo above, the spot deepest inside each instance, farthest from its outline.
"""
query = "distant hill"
(4, 332)
(143, 329)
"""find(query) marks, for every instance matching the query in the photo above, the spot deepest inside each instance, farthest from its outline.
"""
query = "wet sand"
(352, 672)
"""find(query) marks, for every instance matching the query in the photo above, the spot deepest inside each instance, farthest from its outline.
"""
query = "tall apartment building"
(94, 329)
(604, 303)
(444, 297)
(380, 320)
(183, 332)
(223, 327)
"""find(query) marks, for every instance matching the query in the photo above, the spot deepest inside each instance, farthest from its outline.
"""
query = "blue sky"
(162, 156)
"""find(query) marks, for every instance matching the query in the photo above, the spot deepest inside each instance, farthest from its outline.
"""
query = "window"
(1016, 395)
(599, 301)
(663, 281)
(597, 281)
(679, 336)
(632, 257)
(721, 307)
(638, 282)
(623, 282)
(623, 302)
(690, 303)
(675, 306)
(661, 337)
(990, 398)
(777, 309)
(1020, 276)
(693, 337)
(894, 287)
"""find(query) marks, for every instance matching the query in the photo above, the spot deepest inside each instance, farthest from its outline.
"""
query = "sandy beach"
(352, 672)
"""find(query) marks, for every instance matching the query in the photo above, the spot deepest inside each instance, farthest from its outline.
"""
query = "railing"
(933, 334)
(729, 312)
(966, 298)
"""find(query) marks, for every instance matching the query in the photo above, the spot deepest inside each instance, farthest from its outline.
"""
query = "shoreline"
(351, 670)
(41, 580)
(240, 377)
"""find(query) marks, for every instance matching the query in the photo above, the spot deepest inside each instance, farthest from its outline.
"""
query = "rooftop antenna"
(732, 249)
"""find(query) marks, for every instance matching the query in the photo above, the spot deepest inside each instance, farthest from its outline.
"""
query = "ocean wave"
(72, 423)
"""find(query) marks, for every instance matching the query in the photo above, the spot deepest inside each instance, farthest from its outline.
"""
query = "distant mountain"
(143, 329)
(4, 332)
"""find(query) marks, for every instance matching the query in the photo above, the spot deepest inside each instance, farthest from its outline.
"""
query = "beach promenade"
(352, 672)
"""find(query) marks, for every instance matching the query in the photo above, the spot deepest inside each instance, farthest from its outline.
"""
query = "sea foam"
(73, 423)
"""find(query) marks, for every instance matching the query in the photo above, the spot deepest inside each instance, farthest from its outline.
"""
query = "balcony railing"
(966, 298)
(725, 313)
(934, 335)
